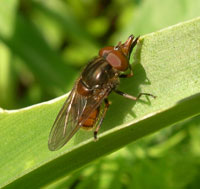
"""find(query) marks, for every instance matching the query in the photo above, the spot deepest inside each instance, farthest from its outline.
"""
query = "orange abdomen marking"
(89, 123)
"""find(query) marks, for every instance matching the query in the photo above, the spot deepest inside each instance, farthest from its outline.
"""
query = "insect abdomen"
(90, 122)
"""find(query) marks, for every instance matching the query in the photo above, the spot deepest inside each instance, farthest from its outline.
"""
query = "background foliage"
(44, 45)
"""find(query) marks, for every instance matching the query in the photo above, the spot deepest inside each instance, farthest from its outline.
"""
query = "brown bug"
(87, 103)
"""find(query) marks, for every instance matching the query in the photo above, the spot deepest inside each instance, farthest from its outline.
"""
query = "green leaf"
(7, 76)
(167, 65)
(61, 13)
(168, 156)
(24, 40)
(7, 17)
(153, 15)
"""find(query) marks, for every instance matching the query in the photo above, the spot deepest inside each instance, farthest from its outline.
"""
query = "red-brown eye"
(117, 60)
(104, 51)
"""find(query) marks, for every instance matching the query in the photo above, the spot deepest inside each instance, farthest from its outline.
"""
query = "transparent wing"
(74, 112)
(66, 123)
(93, 102)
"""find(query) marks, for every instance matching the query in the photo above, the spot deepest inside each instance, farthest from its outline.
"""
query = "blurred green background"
(43, 47)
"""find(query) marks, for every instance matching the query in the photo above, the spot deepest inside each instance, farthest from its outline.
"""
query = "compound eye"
(117, 60)
(105, 51)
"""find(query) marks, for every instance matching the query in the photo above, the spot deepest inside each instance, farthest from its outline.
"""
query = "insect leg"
(101, 119)
(127, 75)
(133, 97)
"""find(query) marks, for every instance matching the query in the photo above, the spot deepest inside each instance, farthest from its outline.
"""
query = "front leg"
(127, 75)
(133, 97)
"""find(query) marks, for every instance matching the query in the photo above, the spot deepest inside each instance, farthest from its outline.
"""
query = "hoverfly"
(87, 103)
